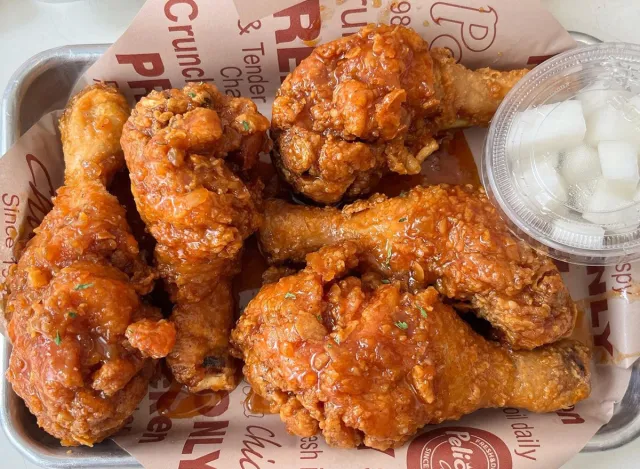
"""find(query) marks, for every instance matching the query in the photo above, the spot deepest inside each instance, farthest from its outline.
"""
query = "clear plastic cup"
(515, 173)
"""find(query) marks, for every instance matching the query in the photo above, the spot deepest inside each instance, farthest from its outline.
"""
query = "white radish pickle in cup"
(561, 159)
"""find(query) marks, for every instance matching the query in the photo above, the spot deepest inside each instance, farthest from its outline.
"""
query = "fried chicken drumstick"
(447, 236)
(366, 362)
(188, 152)
(84, 343)
(374, 102)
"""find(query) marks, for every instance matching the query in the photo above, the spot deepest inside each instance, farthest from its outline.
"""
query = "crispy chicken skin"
(188, 152)
(94, 153)
(83, 341)
(448, 236)
(371, 103)
(367, 362)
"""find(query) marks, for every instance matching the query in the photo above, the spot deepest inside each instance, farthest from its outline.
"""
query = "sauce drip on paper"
(257, 404)
(178, 403)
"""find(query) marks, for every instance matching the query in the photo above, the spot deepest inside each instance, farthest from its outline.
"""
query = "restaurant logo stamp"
(458, 448)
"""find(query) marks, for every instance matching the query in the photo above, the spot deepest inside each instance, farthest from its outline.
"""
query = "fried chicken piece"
(449, 236)
(83, 340)
(90, 128)
(374, 102)
(188, 153)
(366, 362)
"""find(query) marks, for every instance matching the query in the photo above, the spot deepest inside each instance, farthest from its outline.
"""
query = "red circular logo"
(458, 448)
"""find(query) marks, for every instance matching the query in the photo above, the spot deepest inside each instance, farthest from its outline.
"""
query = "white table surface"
(28, 27)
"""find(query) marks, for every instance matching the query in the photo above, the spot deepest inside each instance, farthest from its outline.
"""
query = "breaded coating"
(83, 341)
(188, 152)
(373, 102)
(447, 236)
(364, 361)
(91, 126)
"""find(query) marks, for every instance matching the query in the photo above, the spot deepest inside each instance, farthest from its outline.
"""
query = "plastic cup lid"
(517, 170)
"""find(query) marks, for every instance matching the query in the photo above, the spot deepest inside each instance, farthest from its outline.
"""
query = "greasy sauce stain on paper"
(178, 403)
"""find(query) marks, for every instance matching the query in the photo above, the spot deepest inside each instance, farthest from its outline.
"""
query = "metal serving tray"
(44, 84)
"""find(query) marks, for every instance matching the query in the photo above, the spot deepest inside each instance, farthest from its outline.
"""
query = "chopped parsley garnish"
(319, 317)
(402, 325)
(82, 286)
(57, 340)
(245, 126)
(403, 194)
(329, 345)
(389, 254)
(290, 296)
(192, 94)
(403, 219)
(385, 281)
(423, 313)
(336, 340)
(72, 314)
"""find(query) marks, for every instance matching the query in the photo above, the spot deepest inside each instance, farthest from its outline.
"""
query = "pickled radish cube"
(580, 193)
(607, 196)
(623, 218)
(562, 127)
(550, 158)
(619, 162)
(552, 181)
(609, 123)
(546, 187)
(521, 133)
(547, 161)
(611, 204)
(596, 96)
(551, 127)
(579, 164)
(604, 124)
(586, 234)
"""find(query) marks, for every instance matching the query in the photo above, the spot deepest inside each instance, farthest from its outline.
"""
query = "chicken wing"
(449, 236)
(367, 362)
(84, 342)
(188, 152)
(374, 102)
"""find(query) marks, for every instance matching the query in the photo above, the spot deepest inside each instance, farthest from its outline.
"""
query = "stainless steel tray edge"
(32, 442)
(43, 84)
(624, 426)
(29, 72)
